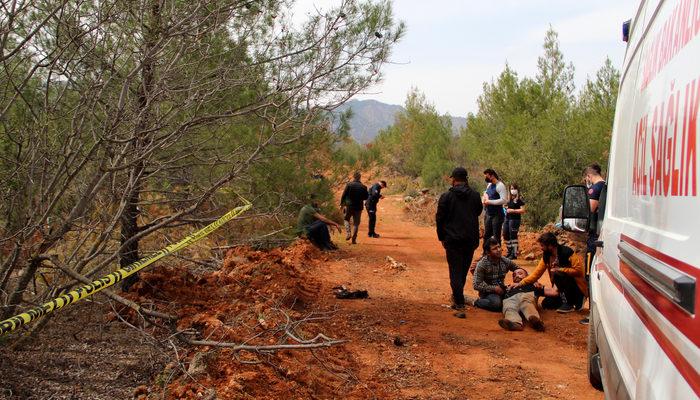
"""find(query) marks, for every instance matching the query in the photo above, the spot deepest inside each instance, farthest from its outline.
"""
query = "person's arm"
(344, 196)
(502, 193)
(594, 198)
(534, 276)
(326, 220)
(478, 204)
(440, 217)
(594, 205)
(520, 210)
(576, 268)
(479, 282)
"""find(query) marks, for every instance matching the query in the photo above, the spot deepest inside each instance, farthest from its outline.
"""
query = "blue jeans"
(493, 225)
(490, 302)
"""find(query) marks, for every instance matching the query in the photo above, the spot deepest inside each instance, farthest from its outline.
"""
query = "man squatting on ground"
(314, 225)
(375, 193)
(352, 202)
(489, 276)
(566, 272)
(523, 299)
(457, 223)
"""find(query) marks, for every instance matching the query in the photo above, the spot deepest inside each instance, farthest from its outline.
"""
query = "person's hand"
(498, 290)
(538, 285)
(554, 269)
(338, 228)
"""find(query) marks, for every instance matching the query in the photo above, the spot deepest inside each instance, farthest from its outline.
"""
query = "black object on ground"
(341, 292)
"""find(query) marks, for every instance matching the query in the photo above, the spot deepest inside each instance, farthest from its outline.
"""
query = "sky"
(451, 47)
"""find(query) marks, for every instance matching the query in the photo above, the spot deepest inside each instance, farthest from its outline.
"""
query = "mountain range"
(371, 116)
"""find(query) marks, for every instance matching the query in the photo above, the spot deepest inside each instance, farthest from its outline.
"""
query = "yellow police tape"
(84, 291)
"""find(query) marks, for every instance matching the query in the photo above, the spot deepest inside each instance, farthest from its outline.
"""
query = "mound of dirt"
(421, 209)
(256, 298)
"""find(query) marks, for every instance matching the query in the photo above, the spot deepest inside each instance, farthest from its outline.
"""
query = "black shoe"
(374, 235)
(457, 306)
(566, 308)
(509, 325)
(536, 323)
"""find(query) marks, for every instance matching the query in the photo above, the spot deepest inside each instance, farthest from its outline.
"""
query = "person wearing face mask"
(514, 211)
(494, 198)
(566, 272)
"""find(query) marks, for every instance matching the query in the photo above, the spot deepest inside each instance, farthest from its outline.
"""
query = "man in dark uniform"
(457, 222)
(375, 193)
(352, 202)
(595, 183)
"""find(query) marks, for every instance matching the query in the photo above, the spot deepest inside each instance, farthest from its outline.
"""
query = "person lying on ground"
(314, 225)
(566, 272)
(521, 299)
(489, 275)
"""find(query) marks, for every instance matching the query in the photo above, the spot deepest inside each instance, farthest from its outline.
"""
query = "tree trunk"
(129, 252)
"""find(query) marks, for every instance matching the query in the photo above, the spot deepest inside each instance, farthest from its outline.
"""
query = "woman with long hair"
(514, 211)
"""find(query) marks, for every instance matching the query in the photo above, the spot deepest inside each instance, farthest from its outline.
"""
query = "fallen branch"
(119, 299)
(262, 349)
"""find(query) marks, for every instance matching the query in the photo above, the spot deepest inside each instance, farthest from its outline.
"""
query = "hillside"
(371, 116)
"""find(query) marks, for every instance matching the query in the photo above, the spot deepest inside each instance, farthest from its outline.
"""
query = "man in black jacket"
(352, 201)
(375, 193)
(457, 221)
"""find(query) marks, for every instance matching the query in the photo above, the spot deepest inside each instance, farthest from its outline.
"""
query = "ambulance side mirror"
(575, 211)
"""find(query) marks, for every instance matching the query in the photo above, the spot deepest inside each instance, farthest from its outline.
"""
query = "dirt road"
(442, 356)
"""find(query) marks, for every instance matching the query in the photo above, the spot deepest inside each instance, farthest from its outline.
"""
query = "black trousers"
(510, 234)
(372, 214)
(318, 234)
(566, 284)
(459, 258)
(493, 224)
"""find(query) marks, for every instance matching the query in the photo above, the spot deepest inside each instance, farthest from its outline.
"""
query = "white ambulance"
(645, 329)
